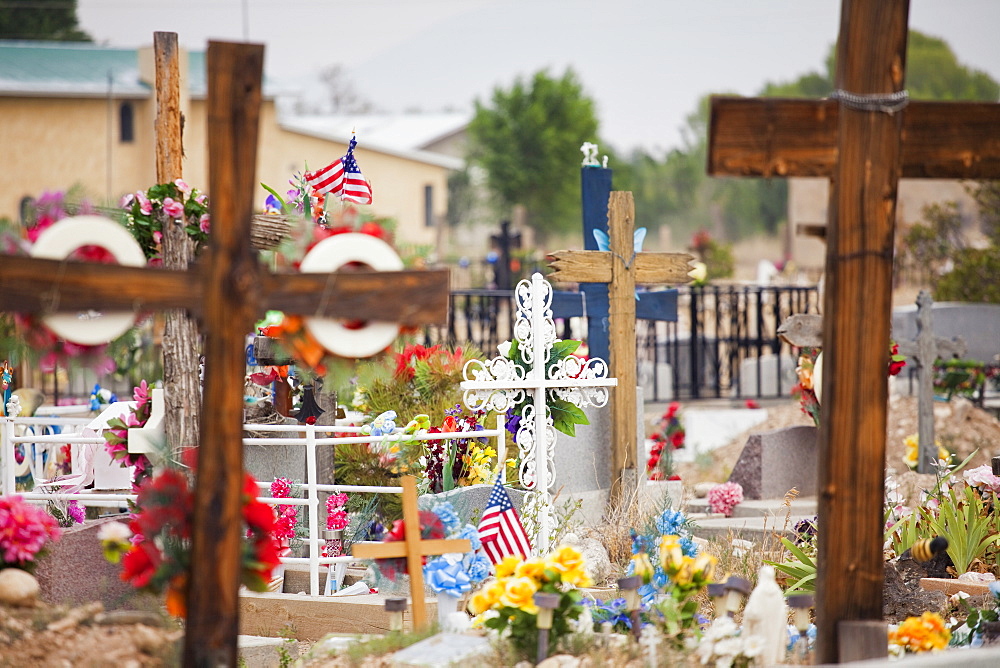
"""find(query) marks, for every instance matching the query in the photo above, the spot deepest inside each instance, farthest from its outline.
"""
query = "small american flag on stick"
(342, 178)
(500, 530)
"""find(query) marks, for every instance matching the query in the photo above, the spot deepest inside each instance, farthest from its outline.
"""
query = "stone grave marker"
(775, 461)
(767, 375)
(470, 501)
(443, 651)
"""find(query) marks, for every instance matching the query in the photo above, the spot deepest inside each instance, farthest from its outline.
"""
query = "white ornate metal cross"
(499, 384)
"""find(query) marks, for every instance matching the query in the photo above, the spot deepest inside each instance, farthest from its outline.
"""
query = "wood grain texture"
(649, 267)
(857, 307)
(234, 80)
(406, 297)
(181, 340)
(621, 321)
(793, 137)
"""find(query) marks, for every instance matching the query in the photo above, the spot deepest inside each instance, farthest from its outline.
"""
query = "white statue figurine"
(766, 616)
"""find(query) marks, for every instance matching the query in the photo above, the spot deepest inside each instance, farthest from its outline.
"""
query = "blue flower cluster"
(456, 574)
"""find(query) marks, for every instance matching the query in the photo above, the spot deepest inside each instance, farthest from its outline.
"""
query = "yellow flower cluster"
(478, 463)
(925, 633)
(517, 580)
(805, 372)
(687, 573)
(912, 456)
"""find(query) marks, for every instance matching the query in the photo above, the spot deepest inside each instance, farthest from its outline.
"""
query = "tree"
(528, 140)
(41, 20)
(343, 96)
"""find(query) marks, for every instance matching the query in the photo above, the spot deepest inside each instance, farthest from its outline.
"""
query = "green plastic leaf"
(565, 416)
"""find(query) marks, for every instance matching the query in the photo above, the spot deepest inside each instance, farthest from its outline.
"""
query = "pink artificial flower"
(76, 512)
(172, 208)
(281, 488)
(145, 206)
(157, 236)
(723, 498)
(24, 530)
(201, 199)
(126, 201)
(204, 223)
(982, 478)
(182, 186)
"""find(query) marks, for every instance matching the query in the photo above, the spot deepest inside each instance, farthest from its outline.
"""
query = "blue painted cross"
(592, 300)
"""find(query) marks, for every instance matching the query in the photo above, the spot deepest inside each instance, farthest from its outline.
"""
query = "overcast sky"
(645, 62)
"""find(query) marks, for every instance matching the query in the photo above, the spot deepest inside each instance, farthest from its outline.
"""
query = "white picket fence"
(308, 436)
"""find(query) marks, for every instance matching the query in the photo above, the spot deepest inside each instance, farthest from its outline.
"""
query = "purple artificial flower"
(76, 512)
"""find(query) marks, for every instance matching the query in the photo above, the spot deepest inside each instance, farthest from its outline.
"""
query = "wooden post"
(233, 278)
(181, 343)
(871, 54)
(621, 316)
(413, 549)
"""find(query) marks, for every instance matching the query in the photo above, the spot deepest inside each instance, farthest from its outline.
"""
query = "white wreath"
(326, 257)
(58, 242)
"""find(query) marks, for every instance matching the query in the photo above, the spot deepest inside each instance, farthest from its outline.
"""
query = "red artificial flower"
(671, 410)
(674, 477)
(750, 403)
(677, 439)
(139, 564)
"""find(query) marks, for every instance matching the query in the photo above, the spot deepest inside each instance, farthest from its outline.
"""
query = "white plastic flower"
(117, 532)
(504, 349)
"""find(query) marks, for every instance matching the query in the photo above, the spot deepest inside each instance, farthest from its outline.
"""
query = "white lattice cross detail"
(499, 384)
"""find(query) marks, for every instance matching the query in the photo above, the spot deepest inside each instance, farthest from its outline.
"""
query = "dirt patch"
(85, 637)
(958, 425)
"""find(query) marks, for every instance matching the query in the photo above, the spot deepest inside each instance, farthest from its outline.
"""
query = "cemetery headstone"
(774, 462)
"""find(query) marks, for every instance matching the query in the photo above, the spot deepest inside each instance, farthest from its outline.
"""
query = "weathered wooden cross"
(413, 549)
(621, 268)
(923, 351)
(864, 138)
(227, 290)
(806, 331)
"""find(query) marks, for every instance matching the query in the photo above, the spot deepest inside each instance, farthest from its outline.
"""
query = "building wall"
(808, 203)
(56, 143)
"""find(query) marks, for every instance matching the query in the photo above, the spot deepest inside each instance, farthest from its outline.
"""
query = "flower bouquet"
(669, 436)
(507, 604)
(451, 576)
(116, 436)
(155, 548)
(175, 203)
(24, 531)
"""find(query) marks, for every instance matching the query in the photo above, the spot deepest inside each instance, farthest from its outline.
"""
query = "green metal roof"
(80, 69)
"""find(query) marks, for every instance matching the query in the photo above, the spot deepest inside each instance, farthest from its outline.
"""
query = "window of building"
(126, 122)
(429, 206)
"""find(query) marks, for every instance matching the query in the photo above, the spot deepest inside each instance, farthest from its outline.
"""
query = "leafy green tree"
(41, 20)
(973, 276)
(528, 140)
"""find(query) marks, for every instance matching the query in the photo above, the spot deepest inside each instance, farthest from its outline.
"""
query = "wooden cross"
(923, 351)
(806, 331)
(864, 140)
(621, 268)
(227, 290)
(413, 549)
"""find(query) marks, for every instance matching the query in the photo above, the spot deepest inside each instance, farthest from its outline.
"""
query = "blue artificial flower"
(272, 204)
(477, 566)
(513, 420)
(449, 518)
(688, 547)
(472, 534)
(444, 575)
(671, 523)
(383, 425)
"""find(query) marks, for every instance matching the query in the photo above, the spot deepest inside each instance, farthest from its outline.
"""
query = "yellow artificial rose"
(487, 597)
(508, 566)
(671, 553)
(568, 562)
(684, 576)
(519, 593)
(642, 567)
(705, 563)
(532, 568)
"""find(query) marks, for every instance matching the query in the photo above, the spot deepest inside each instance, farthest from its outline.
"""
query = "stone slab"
(761, 507)
(310, 618)
(443, 650)
(983, 657)
(951, 587)
(74, 571)
(710, 428)
(773, 462)
(260, 652)
(469, 502)
(747, 528)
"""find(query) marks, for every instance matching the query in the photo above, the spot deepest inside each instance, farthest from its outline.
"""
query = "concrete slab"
(761, 507)
(442, 650)
(260, 652)
(747, 528)
(983, 657)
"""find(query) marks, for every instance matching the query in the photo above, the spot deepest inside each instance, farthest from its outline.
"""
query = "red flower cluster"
(431, 528)
(896, 361)
(160, 556)
(286, 516)
(406, 361)
(670, 432)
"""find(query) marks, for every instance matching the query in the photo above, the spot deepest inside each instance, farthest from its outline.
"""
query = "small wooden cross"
(864, 139)
(226, 290)
(413, 549)
(621, 268)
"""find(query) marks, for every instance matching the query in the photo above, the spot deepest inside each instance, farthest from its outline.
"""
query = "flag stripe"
(342, 178)
(500, 530)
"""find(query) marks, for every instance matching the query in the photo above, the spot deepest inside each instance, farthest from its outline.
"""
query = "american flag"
(342, 178)
(500, 529)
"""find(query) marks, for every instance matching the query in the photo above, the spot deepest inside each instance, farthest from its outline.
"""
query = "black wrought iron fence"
(724, 343)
